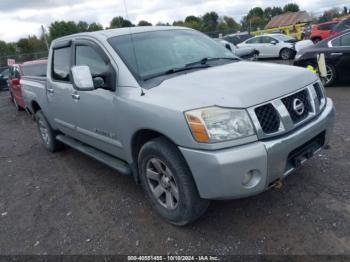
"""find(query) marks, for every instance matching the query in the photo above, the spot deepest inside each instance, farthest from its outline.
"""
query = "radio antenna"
(133, 44)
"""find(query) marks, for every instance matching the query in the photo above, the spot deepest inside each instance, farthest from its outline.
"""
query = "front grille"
(289, 101)
(268, 118)
(319, 93)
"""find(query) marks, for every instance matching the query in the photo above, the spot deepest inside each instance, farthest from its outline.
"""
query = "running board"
(113, 162)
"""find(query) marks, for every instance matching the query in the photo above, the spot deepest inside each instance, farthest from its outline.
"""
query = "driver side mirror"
(273, 42)
(82, 78)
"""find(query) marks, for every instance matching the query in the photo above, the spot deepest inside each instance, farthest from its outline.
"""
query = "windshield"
(160, 51)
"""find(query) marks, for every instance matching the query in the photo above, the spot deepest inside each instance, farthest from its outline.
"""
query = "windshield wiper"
(176, 70)
(204, 60)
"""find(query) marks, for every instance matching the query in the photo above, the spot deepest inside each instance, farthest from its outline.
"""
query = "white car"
(272, 45)
(244, 53)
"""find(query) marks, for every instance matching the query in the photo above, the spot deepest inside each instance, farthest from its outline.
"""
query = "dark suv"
(341, 26)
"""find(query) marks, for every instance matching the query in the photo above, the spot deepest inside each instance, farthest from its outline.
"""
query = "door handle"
(50, 91)
(75, 96)
(336, 53)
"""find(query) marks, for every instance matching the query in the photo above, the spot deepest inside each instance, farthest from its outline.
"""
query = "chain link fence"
(22, 57)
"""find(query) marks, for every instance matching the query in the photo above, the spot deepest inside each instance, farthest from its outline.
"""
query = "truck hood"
(239, 84)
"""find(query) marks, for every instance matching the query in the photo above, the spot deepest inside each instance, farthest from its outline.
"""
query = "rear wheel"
(168, 183)
(286, 54)
(47, 134)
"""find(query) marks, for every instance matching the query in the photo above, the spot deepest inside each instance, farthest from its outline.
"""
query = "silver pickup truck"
(180, 113)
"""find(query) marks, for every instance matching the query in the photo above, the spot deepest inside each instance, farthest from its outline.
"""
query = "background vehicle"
(337, 53)
(244, 53)
(15, 86)
(4, 75)
(237, 38)
(36, 68)
(181, 114)
(322, 31)
(32, 70)
(271, 46)
(341, 26)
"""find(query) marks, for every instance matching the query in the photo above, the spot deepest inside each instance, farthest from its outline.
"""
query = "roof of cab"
(121, 31)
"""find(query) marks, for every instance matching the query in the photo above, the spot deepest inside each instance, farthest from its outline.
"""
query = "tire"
(164, 172)
(47, 134)
(331, 75)
(316, 40)
(286, 54)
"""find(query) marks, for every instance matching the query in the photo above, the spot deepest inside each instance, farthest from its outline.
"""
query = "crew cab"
(179, 113)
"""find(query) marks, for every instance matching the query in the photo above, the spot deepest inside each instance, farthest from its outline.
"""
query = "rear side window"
(61, 64)
(34, 70)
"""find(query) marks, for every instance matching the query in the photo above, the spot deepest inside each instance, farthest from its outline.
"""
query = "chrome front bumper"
(219, 174)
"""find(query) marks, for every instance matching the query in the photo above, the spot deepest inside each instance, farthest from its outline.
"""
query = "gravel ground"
(66, 203)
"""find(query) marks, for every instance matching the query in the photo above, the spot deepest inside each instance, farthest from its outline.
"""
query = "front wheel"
(286, 54)
(168, 183)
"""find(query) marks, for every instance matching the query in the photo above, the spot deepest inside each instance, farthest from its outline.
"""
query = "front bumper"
(219, 174)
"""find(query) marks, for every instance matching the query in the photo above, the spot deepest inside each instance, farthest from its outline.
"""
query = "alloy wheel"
(330, 74)
(285, 54)
(44, 132)
(162, 183)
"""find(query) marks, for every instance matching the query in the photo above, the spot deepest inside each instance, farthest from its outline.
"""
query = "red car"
(30, 68)
(15, 86)
(322, 31)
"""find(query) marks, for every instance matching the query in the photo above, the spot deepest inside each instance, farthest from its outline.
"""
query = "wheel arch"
(140, 138)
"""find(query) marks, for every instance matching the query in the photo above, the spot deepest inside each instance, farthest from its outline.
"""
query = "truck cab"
(181, 114)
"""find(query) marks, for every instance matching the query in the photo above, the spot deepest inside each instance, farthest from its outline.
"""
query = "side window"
(86, 55)
(267, 40)
(61, 64)
(255, 40)
(345, 40)
(341, 41)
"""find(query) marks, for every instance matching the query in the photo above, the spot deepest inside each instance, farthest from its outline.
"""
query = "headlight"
(215, 124)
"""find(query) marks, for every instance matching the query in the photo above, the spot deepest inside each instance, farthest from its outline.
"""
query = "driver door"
(96, 110)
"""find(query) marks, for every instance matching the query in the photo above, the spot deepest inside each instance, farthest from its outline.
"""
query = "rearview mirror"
(82, 78)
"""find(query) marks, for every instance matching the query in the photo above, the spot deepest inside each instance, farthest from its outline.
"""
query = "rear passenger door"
(96, 110)
(60, 89)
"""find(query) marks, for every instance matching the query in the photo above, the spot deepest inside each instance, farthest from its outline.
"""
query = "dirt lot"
(66, 203)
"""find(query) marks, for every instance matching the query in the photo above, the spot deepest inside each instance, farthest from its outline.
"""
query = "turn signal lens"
(197, 128)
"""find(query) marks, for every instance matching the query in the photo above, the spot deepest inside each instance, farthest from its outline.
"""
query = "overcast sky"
(19, 18)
